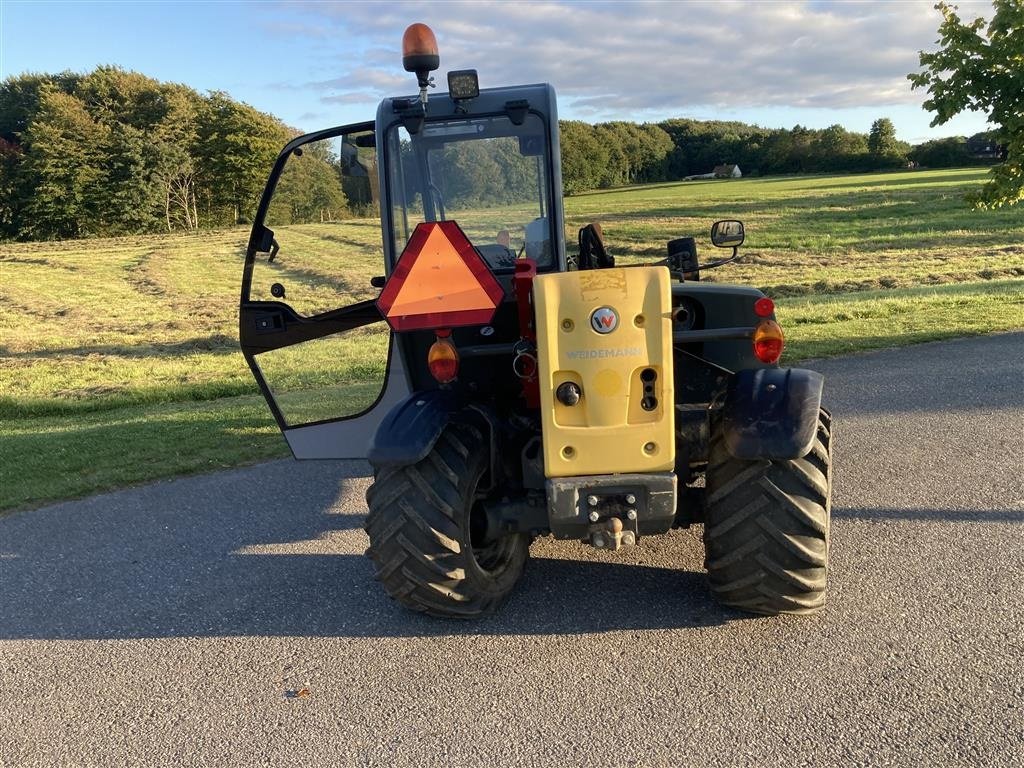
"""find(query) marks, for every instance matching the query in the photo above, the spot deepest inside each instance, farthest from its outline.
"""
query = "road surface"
(231, 619)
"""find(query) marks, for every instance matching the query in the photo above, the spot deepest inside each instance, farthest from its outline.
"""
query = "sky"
(318, 64)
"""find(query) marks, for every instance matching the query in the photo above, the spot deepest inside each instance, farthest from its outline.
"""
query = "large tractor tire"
(766, 535)
(427, 528)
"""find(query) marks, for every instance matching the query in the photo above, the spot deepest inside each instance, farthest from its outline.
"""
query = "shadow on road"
(128, 567)
(194, 573)
(143, 563)
(933, 515)
(336, 596)
(273, 550)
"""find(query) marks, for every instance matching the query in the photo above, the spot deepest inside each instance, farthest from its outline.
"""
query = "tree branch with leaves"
(980, 68)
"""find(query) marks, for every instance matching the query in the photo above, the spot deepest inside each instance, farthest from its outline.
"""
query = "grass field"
(119, 361)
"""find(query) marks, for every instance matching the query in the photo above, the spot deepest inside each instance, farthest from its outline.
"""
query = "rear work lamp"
(463, 84)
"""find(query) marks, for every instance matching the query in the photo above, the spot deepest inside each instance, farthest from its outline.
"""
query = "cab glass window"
(487, 174)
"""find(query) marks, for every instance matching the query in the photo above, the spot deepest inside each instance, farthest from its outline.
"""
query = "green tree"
(885, 149)
(19, 103)
(12, 197)
(615, 137)
(309, 189)
(584, 157)
(126, 199)
(942, 153)
(980, 68)
(115, 95)
(134, 108)
(837, 149)
(236, 148)
(19, 99)
(882, 139)
(65, 161)
(174, 145)
(114, 151)
(653, 145)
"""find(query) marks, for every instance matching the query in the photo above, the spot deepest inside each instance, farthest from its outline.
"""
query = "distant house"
(720, 172)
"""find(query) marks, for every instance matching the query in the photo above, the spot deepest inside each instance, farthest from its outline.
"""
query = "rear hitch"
(611, 511)
(611, 534)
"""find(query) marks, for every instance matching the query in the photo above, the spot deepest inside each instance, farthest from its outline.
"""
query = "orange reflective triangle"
(440, 281)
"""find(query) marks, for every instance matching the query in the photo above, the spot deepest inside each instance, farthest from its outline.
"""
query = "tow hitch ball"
(610, 533)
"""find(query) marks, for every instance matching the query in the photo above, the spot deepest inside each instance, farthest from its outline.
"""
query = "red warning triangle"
(440, 281)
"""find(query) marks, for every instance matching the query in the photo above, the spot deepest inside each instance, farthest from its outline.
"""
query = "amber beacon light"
(419, 50)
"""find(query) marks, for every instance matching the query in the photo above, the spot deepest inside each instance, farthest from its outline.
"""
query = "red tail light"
(768, 341)
(443, 360)
(764, 307)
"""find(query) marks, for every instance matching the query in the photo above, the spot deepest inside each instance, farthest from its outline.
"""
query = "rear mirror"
(727, 234)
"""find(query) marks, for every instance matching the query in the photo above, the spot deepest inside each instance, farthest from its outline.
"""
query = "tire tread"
(766, 535)
(417, 542)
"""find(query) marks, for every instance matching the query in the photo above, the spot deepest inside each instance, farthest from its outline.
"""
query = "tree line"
(612, 154)
(114, 152)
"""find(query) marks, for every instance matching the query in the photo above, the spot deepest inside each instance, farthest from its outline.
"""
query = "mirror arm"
(722, 262)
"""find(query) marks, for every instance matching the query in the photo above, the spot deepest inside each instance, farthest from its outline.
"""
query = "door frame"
(264, 326)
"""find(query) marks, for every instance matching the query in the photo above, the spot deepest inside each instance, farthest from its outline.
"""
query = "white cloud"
(351, 97)
(628, 59)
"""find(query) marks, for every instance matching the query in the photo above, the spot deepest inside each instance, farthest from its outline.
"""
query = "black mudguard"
(772, 413)
(411, 428)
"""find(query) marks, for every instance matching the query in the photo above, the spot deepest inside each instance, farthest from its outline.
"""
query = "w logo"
(604, 320)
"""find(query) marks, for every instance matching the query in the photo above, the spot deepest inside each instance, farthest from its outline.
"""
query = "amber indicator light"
(440, 281)
(443, 360)
(768, 341)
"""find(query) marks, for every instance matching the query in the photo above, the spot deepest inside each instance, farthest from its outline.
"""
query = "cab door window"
(325, 219)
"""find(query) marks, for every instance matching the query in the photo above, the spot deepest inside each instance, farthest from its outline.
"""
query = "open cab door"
(310, 331)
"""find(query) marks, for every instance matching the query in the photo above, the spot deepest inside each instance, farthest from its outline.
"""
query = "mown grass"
(119, 360)
(56, 457)
(824, 234)
(826, 326)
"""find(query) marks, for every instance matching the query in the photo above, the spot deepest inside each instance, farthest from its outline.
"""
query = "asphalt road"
(177, 623)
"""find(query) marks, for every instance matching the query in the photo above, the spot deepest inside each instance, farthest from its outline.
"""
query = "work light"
(463, 84)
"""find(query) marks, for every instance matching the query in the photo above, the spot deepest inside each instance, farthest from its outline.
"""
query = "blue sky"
(315, 64)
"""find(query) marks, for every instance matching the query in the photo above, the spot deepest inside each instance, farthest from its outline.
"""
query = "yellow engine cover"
(621, 361)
